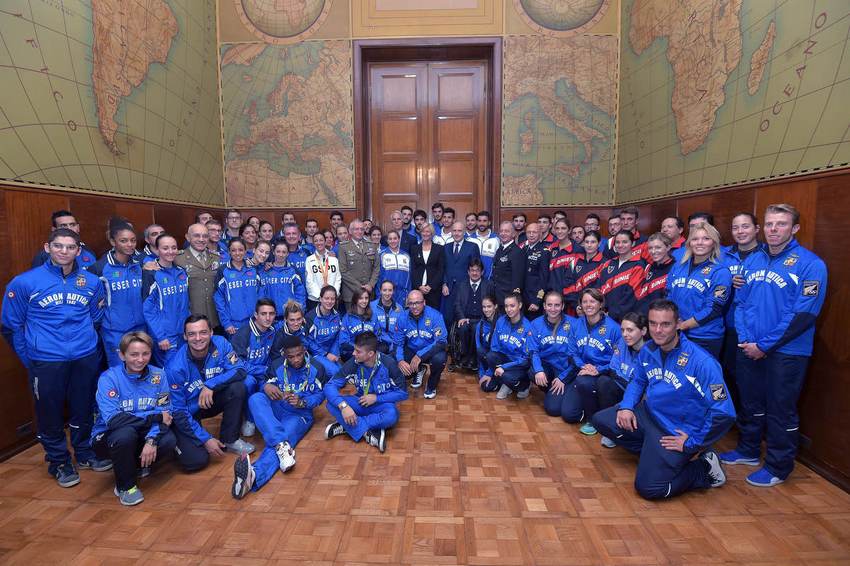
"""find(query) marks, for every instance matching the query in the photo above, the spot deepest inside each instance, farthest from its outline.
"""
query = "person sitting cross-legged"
(283, 412)
(372, 409)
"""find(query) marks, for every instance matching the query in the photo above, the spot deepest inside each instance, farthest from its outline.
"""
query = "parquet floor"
(466, 480)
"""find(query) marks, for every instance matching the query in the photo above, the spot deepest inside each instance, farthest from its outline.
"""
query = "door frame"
(367, 51)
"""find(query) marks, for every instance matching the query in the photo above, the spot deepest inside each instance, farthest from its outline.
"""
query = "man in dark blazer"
(397, 224)
(508, 265)
(537, 257)
(468, 294)
(458, 253)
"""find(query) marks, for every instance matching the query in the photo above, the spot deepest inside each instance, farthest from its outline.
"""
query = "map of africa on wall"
(558, 132)
(724, 92)
(288, 124)
(117, 96)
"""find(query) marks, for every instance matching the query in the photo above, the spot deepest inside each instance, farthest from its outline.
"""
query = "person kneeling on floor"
(687, 408)
(283, 412)
(371, 410)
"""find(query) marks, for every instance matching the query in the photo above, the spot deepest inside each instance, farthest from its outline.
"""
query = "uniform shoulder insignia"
(81, 280)
(11, 294)
(175, 387)
(718, 391)
(566, 327)
(162, 399)
(811, 288)
(113, 393)
(215, 353)
(427, 322)
(611, 268)
(233, 357)
(438, 332)
(720, 292)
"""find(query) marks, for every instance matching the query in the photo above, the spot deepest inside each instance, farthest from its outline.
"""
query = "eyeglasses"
(415, 303)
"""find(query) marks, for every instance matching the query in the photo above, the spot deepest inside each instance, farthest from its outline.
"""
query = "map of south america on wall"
(288, 123)
(559, 120)
(117, 96)
(716, 93)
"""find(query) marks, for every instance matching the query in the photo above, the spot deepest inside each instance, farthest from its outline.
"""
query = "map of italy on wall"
(118, 96)
(716, 93)
(288, 124)
(558, 132)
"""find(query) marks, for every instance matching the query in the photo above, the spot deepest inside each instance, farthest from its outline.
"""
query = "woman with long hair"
(654, 286)
(323, 330)
(621, 277)
(359, 318)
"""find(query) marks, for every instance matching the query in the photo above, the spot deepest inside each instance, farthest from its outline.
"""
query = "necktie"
(457, 248)
(474, 288)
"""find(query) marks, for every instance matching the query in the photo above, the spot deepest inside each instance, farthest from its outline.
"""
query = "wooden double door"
(427, 136)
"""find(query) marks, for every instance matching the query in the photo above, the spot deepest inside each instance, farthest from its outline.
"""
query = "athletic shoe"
(248, 429)
(286, 455)
(66, 475)
(243, 476)
(715, 470)
(239, 446)
(430, 393)
(608, 443)
(419, 377)
(377, 439)
(524, 393)
(129, 497)
(95, 465)
(144, 472)
(763, 478)
(733, 457)
(503, 392)
(334, 429)
(587, 429)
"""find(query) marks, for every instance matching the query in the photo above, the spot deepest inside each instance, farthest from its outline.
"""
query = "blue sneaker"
(587, 429)
(95, 465)
(734, 457)
(763, 478)
(66, 475)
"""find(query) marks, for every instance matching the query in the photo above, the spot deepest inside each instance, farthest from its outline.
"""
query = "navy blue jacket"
(306, 382)
(457, 266)
(282, 284)
(50, 317)
(236, 294)
(536, 282)
(512, 340)
(254, 348)
(323, 332)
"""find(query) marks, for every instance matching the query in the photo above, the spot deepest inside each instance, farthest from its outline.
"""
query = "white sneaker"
(419, 376)
(524, 393)
(239, 446)
(286, 455)
(503, 392)
(715, 471)
(608, 443)
(243, 476)
(248, 429)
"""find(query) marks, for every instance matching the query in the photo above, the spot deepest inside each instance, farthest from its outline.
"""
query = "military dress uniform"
(359, 264)
(203, 276)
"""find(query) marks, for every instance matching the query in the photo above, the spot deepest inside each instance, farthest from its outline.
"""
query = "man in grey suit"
(201, 266)
(359, 262)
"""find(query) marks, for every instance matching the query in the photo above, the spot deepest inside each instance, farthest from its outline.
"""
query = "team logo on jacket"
(602, 330)
(112, 393)
(233, 357)
(611, 268)
(706, 270)
(718, 391)
(175, 387)
(438, 332)
(566, 327)
(162, 400)
(791, 260)
(81, 280)
(427, 322)
(116, 274)
(683, 359)
(720, 292)
(578, 268)
(811, 288)
(155, 379)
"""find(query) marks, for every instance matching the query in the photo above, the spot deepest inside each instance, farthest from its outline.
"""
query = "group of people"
(623, 335)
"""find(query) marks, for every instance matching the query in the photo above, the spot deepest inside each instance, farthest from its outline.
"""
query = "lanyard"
(325, 266)
(286, 377)
(371, 375)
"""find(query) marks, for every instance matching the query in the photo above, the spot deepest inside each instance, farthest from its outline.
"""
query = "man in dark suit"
(468, 293)
(508, 265)
(397, 224)
(458, 253)
(537, 257)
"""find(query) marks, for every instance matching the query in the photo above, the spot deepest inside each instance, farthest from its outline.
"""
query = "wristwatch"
(342, 406)
(151, 441)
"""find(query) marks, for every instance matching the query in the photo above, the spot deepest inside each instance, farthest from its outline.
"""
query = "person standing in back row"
(359, 263)
(508, 265)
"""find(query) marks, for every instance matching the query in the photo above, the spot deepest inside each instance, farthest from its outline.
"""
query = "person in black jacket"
(458, 253)
(469, 293)
(508, 265)
(428, 267)
(536, 281)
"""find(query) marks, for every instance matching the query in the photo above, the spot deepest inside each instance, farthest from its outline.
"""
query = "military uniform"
(359, 264)
(203, 275)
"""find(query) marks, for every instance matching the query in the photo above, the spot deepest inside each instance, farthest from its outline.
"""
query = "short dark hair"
(419, 213)
(518, 214)
(626, 233)
(193, 318)
(236, 240)
(559, 213)
(161, 236)
(449, 210)
(749, 215)
(707, 216)
(665, 305)
(265, 302)
(59, 213)
(405, 207)
(198, 216)
(476, 262)
(367, 340)
(63, 233)
(118, 224)
(327, 288)
(593, 216)
(291, 341)
(336, 213)
(594, 233)
(438, 205)
(468, 214)
(633, 210)
(679, 223)
(310, 219)
(514, 295)
(637, 319)
(485, 213)
(546, 216)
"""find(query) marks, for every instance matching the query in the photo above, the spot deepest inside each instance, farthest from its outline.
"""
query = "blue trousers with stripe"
(278, 422)
(375, 417)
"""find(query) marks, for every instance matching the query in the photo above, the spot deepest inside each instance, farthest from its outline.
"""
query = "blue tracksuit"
(282, 284)
(254, 349)
(49, 319)
(734, 259)
(424, 336)
(279, 421)
(84, 260)
(623, 364)
(141, 395)
(483, 342)
(353, 326)
(378, 380)
(684, 390)
(122, 284)
(701, 292)
(776, 309)
(236, 295)
(395, 267)
(323, 334)
(509, 348)
(549, 347)
(387, 320)
(220, 368)
(298, 260)
(166, 307)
